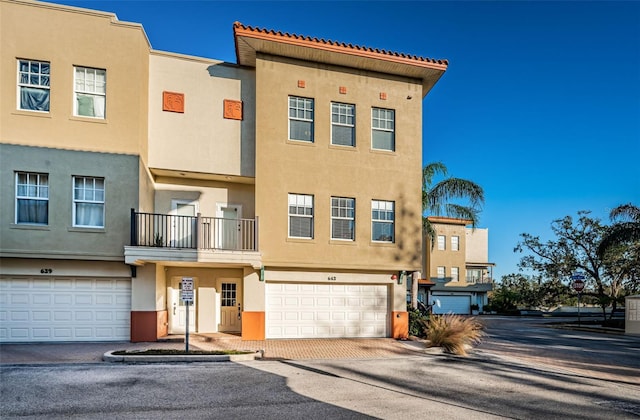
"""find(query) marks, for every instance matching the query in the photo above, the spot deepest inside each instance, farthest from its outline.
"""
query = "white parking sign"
(186, 293)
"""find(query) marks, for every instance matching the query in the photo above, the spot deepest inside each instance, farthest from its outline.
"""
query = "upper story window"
(440, 272)
(32, 198)
(383, 129)
(343, 218)
(343, 124)
(455, 243)
(455, 274)
(90, 90)
(300, 119)
(382, 220)
(442, 242)
(88, 202)
(301, 216)
(34, 78)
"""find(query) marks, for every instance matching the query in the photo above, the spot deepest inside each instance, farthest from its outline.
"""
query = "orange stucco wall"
(253, 325)
(400, 324)
(148, 325)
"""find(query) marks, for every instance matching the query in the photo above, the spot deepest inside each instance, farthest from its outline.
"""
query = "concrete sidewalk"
(339, 348)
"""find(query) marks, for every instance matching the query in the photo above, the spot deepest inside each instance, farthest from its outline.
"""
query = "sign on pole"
(578, 281)
(186, 294)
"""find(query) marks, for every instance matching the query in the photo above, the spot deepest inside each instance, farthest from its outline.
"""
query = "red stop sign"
(578, 285)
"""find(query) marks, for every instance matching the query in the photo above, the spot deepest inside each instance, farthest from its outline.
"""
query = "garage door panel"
(452, 304)
(335, 310)
(65, 309)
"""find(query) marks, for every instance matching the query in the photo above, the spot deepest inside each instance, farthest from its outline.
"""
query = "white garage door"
(452, 304)
(64, 309)
(326, 310)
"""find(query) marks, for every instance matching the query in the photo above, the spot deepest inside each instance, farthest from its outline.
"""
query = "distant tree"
(575, 249)
(517, 290)
(439, 199)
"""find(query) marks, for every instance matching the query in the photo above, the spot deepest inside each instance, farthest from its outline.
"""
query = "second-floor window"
(383, 127)
(343, 218)
(442, 240)
(455, 243)
(90, 90)
(88, 202)
(382, 219)
(440, 272)
(34, 78)
(343, 124)
(32, 198)
(455, 274)
(300, 119)
(301, 216)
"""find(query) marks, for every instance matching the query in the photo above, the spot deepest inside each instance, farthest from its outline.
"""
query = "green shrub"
(417, 322)
(453, 332)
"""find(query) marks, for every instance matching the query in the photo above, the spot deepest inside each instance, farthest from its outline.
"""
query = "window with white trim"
(301, 216)
(442, 240)
(343, 218)
(90, 92)
(88, 202)
(383, 129)
(440, 272)
(382, 221)
(301, 119)
(32, 198)
(343, 124)
(34, 78)
(455, 243)
(455, 274)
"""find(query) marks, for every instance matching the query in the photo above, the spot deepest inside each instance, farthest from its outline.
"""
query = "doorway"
(230, 305)
(229, 216)
(183, 226)
(178, 310)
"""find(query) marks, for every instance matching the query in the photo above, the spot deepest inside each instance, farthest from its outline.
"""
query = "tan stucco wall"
(200, 139)
(447, 258)
(143, 289)
(207, 194)
(47, 32)
(477, 247)
(323, 170)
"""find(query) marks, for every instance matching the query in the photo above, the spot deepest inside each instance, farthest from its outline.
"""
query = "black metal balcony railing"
(193, 232)
(479, 280)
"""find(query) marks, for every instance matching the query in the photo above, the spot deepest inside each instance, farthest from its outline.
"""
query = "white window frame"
(303, 205)
(343, 209)
(36, 79)
(442, 242)
(92, 194)
(36, 188)
(301, 110)
(455, 274)
(343, 116)
(455, 243)
(387, 209)
(441, 272)
(385, 121)
(94, 89)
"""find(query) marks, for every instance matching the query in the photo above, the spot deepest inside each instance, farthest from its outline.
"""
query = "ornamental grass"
(454, 333)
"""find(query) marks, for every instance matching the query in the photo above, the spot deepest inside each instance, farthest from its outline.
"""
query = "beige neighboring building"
(284, 188)
(458, 271)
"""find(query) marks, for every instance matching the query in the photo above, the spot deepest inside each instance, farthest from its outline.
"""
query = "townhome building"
(284, 188)
(458, 272)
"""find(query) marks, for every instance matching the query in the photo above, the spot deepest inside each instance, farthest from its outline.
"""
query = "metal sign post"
(578, 286)
(186, 294)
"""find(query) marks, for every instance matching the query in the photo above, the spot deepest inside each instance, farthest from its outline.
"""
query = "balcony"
(479, 280)
(214, 240)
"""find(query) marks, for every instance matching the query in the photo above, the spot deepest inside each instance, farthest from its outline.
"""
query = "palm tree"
(436, 198)
(437, 201)
(625, 229)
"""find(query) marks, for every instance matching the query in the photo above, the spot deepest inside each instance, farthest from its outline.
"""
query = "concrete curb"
(187, 358)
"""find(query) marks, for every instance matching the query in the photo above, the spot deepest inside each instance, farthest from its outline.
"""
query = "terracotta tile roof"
(340, 45)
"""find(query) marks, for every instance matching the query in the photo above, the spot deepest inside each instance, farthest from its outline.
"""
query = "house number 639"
(46, 270)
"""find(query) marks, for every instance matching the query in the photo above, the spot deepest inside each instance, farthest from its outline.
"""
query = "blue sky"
(540, 104)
